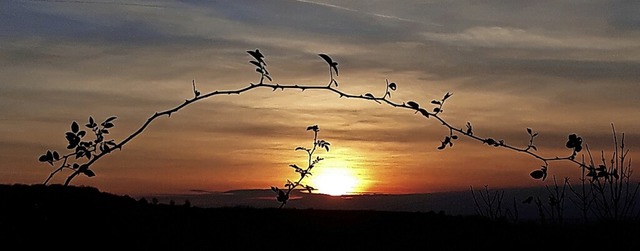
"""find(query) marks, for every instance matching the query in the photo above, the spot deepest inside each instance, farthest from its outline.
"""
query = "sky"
(557, 67)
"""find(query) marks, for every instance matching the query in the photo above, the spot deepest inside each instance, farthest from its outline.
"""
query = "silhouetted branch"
(95, 150)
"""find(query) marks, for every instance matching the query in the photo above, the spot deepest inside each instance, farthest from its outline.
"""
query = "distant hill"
(451, 203)
(38, 216)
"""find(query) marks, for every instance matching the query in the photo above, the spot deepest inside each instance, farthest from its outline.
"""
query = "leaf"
(83, 168)
(393, 86)
(89, 173)
(436, 109)
(91, 123)
(436, 102)
(110, 119)
(529, 131)
(446, 96)
(256, 63)
(257, 55)
(413, 105)
(56, 156)
(43, 158)
(326, 58)
(74, 127)
(313, 127)
(334, 65)
(424, 112)
(49, 156)
(369, 95)
(300, 148)
(282, 197)
(537, 174)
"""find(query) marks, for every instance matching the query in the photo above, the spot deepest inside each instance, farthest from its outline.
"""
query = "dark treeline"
(48, 216)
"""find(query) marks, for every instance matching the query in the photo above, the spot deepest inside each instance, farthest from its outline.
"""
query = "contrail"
(99, 2)
(370, 13)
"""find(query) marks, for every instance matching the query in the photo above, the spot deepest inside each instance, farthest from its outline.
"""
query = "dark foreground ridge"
(39, 216)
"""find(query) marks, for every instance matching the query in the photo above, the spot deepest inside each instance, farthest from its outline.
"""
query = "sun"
(336, 181)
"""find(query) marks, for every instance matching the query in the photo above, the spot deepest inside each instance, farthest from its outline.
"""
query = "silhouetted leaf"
(534, 147)
(454, 136)
(83, 168)
(112, 118)
(43, 158)
(436, 109)
(313, 127)
(537, 174)
(330, 61)
(436, 102)
(91, 123)
(369, 95)
(424, 112)
(56, 156)
(74, 127)
(574, 142)
(446, 96)
(529, 131)
(282, 197)
(326, 58)
(413, 105)
(393, 86)
(256, 63)
(89, 173)
(257, 55)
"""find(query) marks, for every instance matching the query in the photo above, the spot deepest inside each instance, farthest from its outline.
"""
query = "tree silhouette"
(84, 153)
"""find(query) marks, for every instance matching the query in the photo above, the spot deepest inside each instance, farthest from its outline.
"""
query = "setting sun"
(336, 181)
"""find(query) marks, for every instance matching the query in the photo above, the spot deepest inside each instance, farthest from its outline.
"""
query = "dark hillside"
(33, 216)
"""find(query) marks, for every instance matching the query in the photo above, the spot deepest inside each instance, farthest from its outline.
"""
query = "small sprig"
(282, 195)
(261, 65)
(333, 67)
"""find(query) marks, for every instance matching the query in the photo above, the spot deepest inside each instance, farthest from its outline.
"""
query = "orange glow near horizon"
(335, 177)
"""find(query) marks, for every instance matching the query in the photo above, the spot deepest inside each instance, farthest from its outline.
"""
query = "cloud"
(507, 37)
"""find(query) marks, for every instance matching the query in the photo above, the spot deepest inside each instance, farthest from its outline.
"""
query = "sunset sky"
(558, 67)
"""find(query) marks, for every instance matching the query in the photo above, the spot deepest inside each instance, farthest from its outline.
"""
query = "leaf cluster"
(82, 148)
